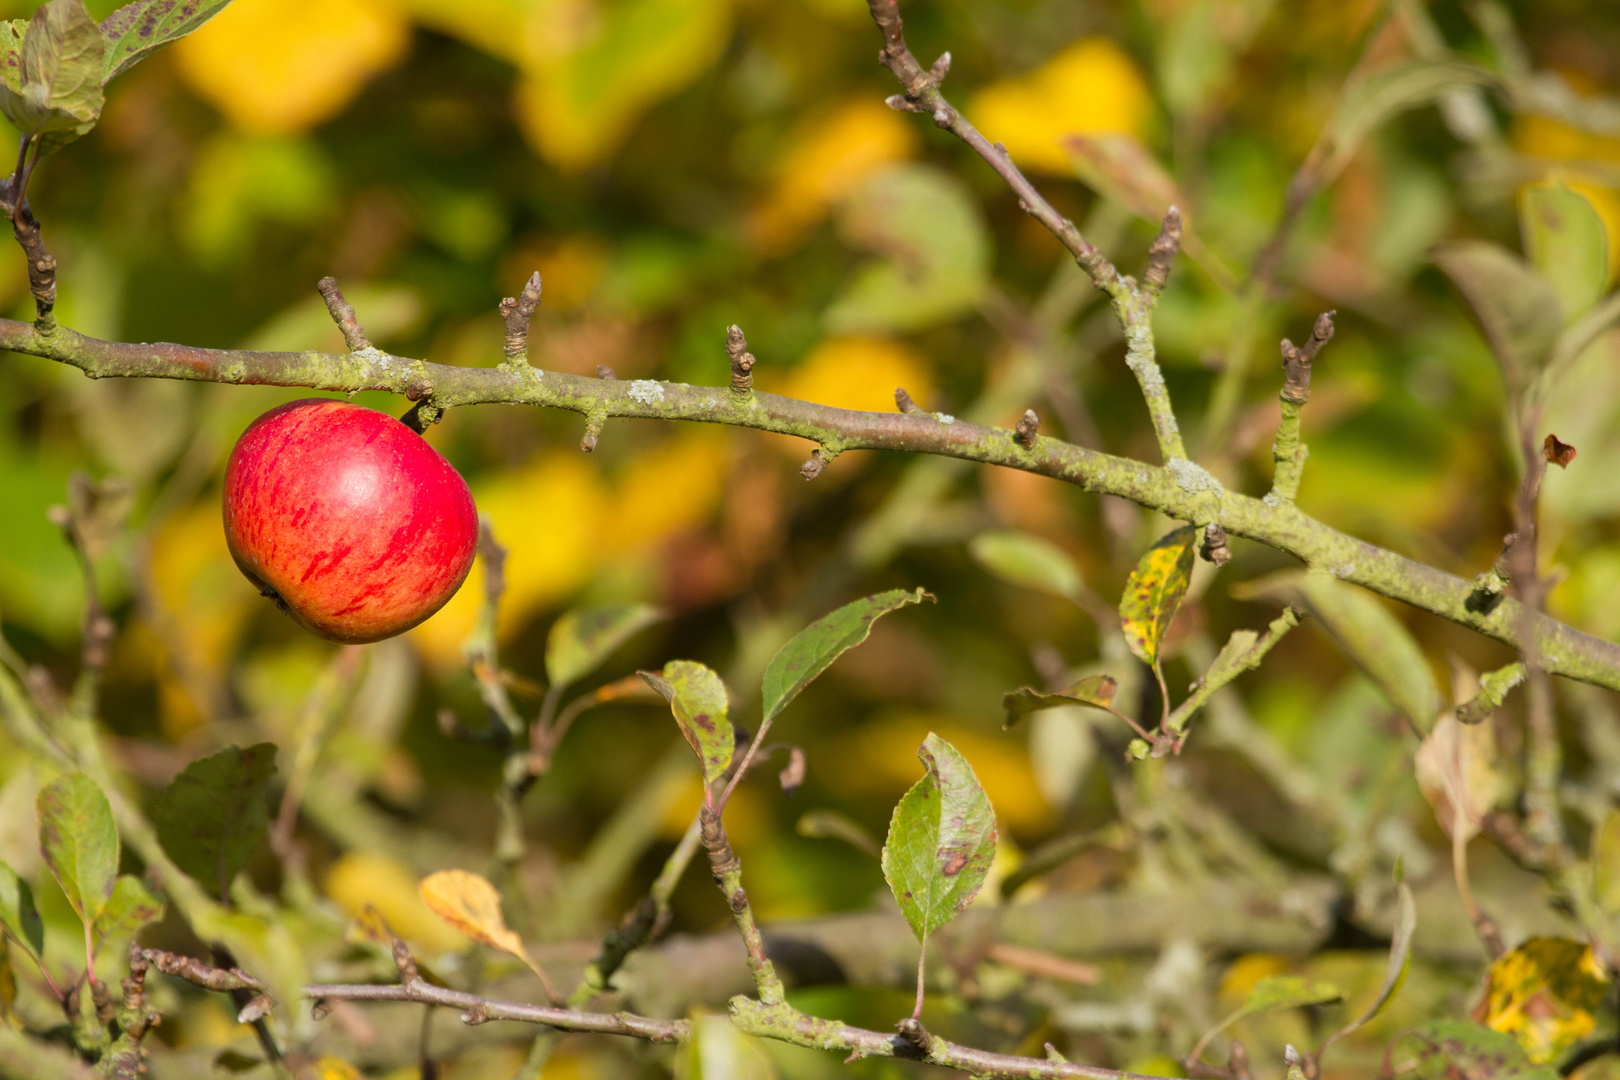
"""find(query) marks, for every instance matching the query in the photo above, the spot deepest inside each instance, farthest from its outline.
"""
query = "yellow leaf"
(549, 516)
(827, 158)
(859, 373)
(1545, 994)
(671, 489)
(873, 763)
(360, 880)
(470, 904)
(1543, 137)
(583, 91)
(275, 67)
(1089, 88)
(1154, 591)
(331, 1068)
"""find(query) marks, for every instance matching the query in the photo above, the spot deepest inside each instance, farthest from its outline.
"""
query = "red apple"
(348, 519)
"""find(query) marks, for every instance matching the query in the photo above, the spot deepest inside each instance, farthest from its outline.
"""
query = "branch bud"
(812, 468)
(941, 68)
(742, 362)
(1297, 360)
(517, 311)
(1027, 426)
(1214, 547)
(1163, 253)
(903, 402)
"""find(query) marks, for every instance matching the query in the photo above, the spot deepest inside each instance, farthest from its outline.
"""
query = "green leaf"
(1270, 994)
(137, 29)
(1566, 242)
(59, 94)
(941, 842)
(132, 906)
(1026, 560)
(581, 639)
(1452, 1049)
(79, 840)
(18, 913)
(813, 649)
(1369, 101)
(1369, 634)
(1518, 310)
(936, 252)
(212, 817)
(697, 697)
(1400, 957)
(1154, 591)
(1095, 690)
(1605, 863)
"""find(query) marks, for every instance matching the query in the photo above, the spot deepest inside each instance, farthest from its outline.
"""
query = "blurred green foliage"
(675, 166)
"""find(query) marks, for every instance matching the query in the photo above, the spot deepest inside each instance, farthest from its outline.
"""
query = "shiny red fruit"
(348, 519)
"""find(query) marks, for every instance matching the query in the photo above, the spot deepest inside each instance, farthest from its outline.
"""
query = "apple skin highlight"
(349, 519)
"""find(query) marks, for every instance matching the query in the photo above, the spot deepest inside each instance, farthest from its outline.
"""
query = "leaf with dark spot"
(939, 850)
(136, 29)
(813, 649)
(697, 697)
(1154, 591)
(1458, 1050)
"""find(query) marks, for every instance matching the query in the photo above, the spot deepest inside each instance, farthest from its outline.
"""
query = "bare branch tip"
(1214, 548)
(517, 312)
(342, 312)
(742, 361)
(813, 467)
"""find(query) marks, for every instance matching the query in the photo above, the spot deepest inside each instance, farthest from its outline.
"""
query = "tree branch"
(1176, 493)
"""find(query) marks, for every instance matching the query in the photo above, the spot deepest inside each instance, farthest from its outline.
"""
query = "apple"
(348, 519)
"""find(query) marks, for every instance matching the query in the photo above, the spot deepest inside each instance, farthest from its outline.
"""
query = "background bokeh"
(675, 166)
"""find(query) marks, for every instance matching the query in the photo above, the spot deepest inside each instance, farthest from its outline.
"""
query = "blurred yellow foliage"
(548, 515)
(590, 70)
(331, 1068)
(827, 158)
(359, 878)
(1541, 137)
(748, 819)
(668, 491)
(1089, 88)
(276, 67)
(882, 756)
(859, 373)
(1243, 973)
(201, 603)
(569, 268)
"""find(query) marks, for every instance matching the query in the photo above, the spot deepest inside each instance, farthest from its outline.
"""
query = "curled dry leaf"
(470, 903)
(1457, 772)
(1556, 452)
